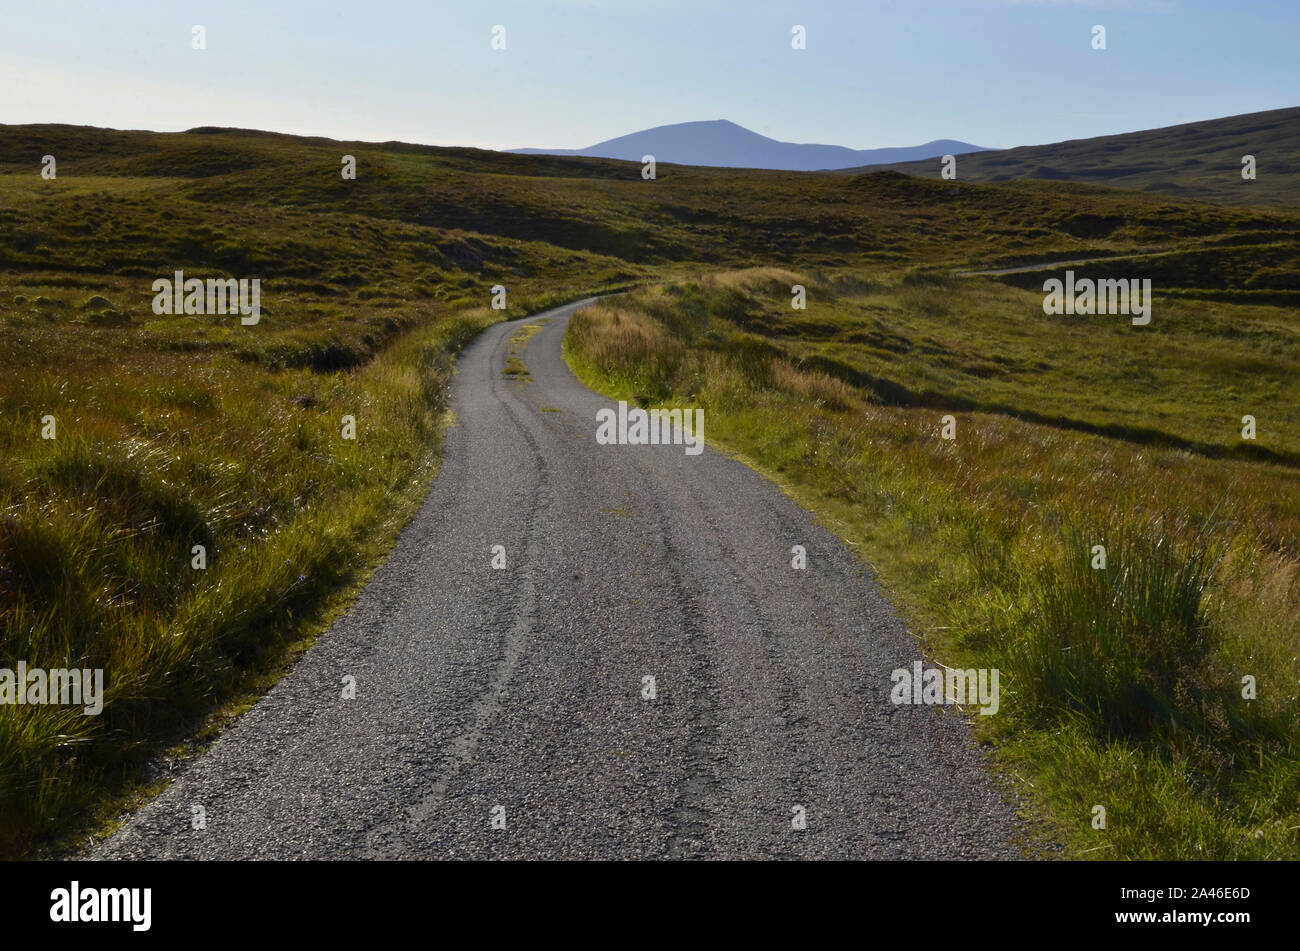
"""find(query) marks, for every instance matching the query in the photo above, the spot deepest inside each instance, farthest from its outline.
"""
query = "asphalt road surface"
(503, 712)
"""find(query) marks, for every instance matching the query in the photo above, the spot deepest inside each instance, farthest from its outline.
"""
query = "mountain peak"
(723, 143)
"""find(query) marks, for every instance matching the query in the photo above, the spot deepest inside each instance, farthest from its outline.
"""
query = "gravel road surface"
(502, 712)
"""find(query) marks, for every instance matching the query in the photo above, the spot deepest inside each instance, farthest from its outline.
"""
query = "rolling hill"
(1201, 160)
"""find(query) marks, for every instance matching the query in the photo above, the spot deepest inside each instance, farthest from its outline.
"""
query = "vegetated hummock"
(177, 431)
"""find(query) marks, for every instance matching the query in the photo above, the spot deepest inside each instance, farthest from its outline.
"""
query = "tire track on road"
(523, 687)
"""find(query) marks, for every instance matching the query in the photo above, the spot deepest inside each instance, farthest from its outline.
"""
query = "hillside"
(273, 201)
(1200, 160)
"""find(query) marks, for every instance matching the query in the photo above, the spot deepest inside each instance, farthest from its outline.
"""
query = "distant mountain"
(724, 144)
(1199, 160)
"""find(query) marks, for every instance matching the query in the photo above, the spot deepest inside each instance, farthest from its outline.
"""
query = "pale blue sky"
(993, 72)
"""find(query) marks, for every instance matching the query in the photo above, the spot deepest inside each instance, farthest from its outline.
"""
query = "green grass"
(980, 345)
(1121, 687)
(515, 367)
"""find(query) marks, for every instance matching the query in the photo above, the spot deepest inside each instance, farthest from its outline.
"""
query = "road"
(503, 712)
(1054, 265)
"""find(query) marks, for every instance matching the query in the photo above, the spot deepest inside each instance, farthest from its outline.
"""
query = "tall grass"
(98, 527)
(1127, 644)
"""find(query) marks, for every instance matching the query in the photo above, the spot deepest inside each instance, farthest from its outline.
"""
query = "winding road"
(505, 712)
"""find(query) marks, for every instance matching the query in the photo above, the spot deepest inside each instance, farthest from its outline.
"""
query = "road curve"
(514, 697)
(1054, 265)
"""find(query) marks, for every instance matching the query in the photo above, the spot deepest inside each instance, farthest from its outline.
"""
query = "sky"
(996, 73)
